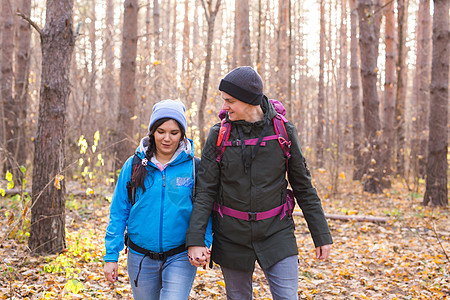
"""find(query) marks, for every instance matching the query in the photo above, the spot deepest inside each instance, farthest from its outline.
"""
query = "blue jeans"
(282, 278)
(169, 281)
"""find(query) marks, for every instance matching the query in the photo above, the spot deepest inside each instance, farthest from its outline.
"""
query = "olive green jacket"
(238, 243)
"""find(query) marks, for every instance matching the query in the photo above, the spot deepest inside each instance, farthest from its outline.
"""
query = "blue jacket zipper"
(162, 211)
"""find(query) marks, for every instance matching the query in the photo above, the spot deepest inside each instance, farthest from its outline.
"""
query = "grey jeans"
(282, 278)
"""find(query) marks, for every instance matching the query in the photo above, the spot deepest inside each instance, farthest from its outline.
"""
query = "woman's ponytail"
(138, 177)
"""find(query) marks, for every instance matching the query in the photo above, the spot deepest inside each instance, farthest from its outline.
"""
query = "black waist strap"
(153, 255)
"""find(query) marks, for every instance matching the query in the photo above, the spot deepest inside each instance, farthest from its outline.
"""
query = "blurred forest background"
(364, 81)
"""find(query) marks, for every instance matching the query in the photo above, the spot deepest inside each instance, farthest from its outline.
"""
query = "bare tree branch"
(26, 18)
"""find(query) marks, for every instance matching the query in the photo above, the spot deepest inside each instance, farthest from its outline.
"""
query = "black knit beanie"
(244, 84)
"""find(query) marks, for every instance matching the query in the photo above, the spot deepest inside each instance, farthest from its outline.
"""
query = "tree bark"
(356, 102)
(127, 94)
(341, 95)
(47, 232)
(92, 90)
(400, 97)
(368, 43)
(422, 89)
(389, 88)
(321, 97)
(437, 166)
(242, 32)
(10, 107)
(157, 84)
(21, 83)
(283, 74)
(186, 35)
(210, 18)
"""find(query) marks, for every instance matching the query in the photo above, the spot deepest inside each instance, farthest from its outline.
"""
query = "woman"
(156, 223)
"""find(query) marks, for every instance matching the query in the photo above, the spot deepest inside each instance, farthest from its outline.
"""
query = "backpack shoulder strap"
(283, 138)
(224, 134)
(130, 189)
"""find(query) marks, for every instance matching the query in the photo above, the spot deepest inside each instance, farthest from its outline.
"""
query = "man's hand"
(199, 256)
(110, 271)
(323, 252)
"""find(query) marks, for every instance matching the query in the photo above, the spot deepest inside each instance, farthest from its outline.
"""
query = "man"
(250, 178)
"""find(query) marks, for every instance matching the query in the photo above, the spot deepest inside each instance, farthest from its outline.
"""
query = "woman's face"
(167, 138)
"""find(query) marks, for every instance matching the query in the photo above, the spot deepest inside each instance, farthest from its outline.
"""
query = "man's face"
(236, 109)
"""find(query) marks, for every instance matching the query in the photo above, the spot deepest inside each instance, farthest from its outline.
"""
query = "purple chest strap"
(251, 142)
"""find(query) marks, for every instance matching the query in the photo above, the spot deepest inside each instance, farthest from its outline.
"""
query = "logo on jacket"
(185, 182)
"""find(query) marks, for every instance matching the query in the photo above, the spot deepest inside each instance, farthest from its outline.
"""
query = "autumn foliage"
(404, 258)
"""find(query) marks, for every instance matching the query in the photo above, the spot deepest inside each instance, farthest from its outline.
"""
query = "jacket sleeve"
(306, 195)
(208, 234)
(118, 215)
(206, 193)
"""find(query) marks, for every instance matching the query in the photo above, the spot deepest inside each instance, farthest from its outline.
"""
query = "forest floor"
(404, 258)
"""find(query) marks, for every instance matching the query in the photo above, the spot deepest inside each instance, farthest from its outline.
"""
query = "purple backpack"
(285, 144)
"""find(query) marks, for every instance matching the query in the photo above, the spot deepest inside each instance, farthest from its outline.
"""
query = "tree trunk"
(321, 97)
(186, 35)
(259, 28)
(157, 50)
(389, 88)
(127, 95)
(21, 83)
(10, 107)
(47, 232)
(368, 43)
(400, 97)
(174, 36)
(92, 101)
(356, 102)
(341, 95)
(437, 166)
(108, 48)
(210, 18)
(422, 89)
(283, 53)
(242, 31)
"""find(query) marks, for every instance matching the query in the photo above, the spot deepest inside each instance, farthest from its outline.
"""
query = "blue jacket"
(159, 219)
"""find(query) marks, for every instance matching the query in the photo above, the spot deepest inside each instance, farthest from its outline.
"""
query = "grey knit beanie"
(173, 109)
(244, 84)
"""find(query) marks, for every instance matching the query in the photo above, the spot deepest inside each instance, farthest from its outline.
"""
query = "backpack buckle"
(252, 216)
(235, 143)
(156, 256)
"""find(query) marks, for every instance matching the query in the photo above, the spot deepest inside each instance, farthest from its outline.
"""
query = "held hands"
(199, 256)
(110, 271)
(323, 252)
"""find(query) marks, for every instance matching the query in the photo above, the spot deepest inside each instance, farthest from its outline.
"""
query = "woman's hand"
(199, 256)
(323, 252)
(110, 271)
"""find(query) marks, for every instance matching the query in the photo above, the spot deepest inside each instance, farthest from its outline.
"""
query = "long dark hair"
(138, 177)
